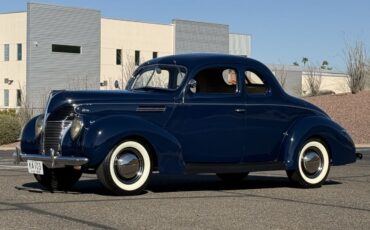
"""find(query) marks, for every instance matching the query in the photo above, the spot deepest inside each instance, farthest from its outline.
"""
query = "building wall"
(12, 31)
(240, 44)
(130, 36)
(330, 82)
(193, 37)
(47, 70)
(42, 70)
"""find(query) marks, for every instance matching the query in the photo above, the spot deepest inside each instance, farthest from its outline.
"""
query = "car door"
(212, 118)
(266, 118)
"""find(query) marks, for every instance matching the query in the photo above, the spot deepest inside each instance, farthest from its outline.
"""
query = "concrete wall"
(240, 44)
(47, 70)
(334, 82)
(13, 31)
(193, 36)
(130, 36)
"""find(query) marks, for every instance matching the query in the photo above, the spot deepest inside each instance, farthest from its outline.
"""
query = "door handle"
(240, 110)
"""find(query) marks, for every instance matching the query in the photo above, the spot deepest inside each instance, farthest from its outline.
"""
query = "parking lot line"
(13, 166)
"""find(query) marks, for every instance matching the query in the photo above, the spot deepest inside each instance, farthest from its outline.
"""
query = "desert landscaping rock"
(351, 111)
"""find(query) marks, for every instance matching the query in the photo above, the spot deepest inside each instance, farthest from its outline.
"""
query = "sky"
(283, 31)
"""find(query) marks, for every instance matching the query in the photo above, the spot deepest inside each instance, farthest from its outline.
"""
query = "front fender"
(103, 134)
(29, 142)
(339, 143)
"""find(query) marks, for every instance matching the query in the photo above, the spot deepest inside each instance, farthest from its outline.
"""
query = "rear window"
(255, 84)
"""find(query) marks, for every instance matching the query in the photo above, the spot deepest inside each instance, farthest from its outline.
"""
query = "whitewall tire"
(313, 165)
(127, 168)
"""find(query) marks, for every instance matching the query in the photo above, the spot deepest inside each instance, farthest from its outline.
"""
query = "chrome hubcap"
(128, 166)
(312, 162)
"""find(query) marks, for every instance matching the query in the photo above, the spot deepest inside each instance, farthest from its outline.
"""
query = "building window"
(19, 97)
(66, 49)
(19, 51)
(137, 57)
(6, 52)
(118, 57)
(155, 54)
(6, 97)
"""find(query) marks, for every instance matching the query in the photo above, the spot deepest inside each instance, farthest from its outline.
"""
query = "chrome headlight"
(39, 126)
(76, 128)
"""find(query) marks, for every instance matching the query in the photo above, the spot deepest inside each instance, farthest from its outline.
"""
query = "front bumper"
(51, 161)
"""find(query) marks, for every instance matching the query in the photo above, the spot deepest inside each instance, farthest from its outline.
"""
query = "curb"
(7, 148)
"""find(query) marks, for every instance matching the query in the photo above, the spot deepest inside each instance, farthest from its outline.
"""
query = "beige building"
(295, 80)
(12, 58)
(55, 47)
(141, 41)
(330, 82)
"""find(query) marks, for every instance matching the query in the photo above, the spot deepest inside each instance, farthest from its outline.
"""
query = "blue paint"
(183, 128)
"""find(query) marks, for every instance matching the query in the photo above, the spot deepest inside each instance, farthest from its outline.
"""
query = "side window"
(255, 84)
(216, 80)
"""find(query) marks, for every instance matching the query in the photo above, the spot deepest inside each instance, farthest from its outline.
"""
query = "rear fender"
(335, 138)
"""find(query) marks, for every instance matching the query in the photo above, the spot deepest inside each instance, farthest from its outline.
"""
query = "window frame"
(6, 98)
(137, 57)
(6, 52)
(216, 95)
(19, 97)
(66, 49)
(138, 71)
(118, 56)
(265, 84)
(19, 52)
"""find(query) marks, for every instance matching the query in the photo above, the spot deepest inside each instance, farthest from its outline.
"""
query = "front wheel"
(61, 179)
(313, 165)
(127, 168)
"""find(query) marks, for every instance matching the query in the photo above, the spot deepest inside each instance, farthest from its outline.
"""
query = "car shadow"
(171, 183)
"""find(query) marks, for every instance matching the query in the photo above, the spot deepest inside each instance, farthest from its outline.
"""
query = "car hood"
(59, 99)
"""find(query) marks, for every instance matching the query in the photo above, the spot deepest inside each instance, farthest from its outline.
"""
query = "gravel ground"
(352, 111)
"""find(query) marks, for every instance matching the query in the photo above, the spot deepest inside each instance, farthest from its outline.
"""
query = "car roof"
(196, 59)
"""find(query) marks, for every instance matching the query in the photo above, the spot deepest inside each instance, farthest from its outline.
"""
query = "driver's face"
(232, 77)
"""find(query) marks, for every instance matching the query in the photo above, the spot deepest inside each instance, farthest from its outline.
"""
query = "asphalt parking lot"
(264, 200)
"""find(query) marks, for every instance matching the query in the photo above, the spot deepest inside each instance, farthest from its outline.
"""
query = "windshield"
(164, 77)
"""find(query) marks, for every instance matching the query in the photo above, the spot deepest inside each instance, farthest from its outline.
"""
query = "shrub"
(11, 112)
(10, 128)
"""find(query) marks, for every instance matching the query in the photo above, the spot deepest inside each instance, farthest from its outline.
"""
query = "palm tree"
(304, 60)
(324, 64)
(295, 63)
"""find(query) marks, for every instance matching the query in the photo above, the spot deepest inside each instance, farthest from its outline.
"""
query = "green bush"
(10, 112)
(10, 128)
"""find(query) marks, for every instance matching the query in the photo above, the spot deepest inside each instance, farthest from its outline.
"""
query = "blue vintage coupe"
(191, 113)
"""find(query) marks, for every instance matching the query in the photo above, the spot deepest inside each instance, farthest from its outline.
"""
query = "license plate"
(35, 167)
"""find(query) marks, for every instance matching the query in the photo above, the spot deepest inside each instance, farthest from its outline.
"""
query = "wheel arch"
(104, 134)
(339, 145)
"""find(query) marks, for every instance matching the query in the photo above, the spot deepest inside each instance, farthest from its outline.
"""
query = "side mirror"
(158, 70)
(116, 84)
(192, 86)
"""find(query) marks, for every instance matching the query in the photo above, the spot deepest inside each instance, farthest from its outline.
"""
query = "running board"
(194, 168)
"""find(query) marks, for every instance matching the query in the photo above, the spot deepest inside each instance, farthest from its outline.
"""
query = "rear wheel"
(127, 168)
(232, 177)
(61, 179)
(313, 165)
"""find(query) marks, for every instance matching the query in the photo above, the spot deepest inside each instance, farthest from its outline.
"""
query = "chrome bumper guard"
(50, 161)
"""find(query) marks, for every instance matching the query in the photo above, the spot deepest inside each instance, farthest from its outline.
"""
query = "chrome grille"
(55, 125)
(54, 131)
